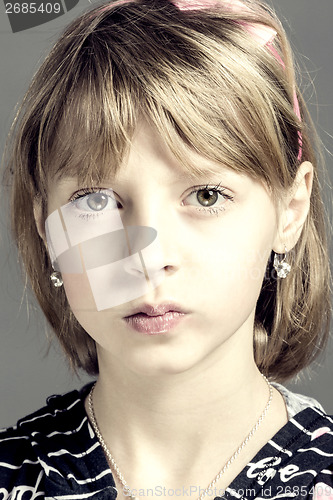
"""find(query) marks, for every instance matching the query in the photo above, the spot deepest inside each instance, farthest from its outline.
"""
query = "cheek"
(231, 263)
(229, 280)
(78, 292)
(82, 303)
(238, 256)
(247, 263)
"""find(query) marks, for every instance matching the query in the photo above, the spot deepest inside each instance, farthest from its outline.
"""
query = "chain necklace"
(218, 476)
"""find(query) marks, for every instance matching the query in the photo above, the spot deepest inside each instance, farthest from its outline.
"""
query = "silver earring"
(56, 279)
(281, 267)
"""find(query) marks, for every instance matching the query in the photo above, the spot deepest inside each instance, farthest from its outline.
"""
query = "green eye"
(207, 197)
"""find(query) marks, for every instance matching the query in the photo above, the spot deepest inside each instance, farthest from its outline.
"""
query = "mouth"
(155, 319)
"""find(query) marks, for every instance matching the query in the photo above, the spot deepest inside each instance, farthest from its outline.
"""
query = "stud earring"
(281, 267)
(56, 279)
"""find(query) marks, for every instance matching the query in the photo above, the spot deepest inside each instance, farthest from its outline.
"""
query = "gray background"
(28, 374)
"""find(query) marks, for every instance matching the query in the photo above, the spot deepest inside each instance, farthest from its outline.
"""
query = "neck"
(214, 395)
(161, 429)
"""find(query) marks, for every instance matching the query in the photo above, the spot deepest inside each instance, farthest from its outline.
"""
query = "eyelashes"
(209, 199)
(91, 203)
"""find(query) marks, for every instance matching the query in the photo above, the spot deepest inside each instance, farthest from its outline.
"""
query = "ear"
(39, 217)
(294, 209)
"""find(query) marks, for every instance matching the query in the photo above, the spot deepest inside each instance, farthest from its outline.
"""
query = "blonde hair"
(204, 82)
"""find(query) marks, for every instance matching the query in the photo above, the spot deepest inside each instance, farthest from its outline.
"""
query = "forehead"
(147, 150)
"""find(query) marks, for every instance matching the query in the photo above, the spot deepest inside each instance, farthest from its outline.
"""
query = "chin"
(163, 364)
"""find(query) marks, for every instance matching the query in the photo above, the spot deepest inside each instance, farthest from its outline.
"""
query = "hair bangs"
(96, 122)
(196, 98)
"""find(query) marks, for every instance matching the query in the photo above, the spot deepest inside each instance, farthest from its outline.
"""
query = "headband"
(262, 33)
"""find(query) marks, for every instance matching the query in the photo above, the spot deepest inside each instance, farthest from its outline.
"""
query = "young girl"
(167, 208)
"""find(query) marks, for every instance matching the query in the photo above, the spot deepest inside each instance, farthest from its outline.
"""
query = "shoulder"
(306, 443)
(297, 462)
(26, 447)
(295, 402)
(314, 455)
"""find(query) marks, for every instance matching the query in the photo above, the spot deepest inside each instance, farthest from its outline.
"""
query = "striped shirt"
(54, 454)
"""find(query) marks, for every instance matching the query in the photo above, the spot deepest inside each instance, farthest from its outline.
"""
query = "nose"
(153, 253)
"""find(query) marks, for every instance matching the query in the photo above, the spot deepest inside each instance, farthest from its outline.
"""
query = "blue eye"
(94, 202)
(97, 201)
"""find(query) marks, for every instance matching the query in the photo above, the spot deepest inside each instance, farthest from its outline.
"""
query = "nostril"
(134, 265)
(169, 269)
(137, 266)
(149, 259)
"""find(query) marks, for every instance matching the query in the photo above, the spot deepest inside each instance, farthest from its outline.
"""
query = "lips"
(155, 319)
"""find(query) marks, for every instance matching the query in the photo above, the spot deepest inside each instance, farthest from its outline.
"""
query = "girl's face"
(187, 293)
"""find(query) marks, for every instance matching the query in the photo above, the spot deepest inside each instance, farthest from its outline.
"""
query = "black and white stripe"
(54, 455)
